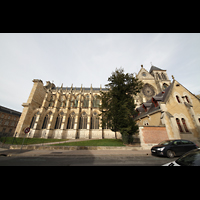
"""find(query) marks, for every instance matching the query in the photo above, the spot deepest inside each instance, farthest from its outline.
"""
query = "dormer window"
(154, 102)
(145, 108)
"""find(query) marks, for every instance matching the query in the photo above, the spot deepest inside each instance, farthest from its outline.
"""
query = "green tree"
(118, 107)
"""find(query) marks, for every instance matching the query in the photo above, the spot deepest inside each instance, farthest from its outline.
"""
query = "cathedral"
(72, 112)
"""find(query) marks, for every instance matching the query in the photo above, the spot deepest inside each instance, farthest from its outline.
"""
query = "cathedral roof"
(155, 68)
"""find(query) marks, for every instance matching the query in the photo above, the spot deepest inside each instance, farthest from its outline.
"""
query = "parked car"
(171, 148)
(191, 158)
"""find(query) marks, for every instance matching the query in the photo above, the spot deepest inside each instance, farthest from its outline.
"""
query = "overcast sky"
(90, 59)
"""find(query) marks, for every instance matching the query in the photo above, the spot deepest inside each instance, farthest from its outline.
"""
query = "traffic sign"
(26, 130)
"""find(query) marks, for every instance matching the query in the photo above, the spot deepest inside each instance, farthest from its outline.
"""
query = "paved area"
(80, 158)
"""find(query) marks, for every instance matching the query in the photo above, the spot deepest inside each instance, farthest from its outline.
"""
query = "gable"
(143, 74)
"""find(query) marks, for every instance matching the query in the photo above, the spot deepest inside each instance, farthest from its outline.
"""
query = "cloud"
(90, 59)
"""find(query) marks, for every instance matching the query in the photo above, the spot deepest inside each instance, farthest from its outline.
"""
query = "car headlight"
(161, 149)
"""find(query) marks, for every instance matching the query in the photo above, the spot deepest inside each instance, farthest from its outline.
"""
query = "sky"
(90, 58)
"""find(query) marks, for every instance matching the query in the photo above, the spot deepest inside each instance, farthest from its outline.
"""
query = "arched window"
(33, 121)
(86, 102)
(95, 121)
(95, 102)
(70, 123)
(158, 76)
(58, 122)
(177, 98)
(187, 99)
(163, 76)
(83, 121)
(46, 121)
(184, 124)
(179, 125)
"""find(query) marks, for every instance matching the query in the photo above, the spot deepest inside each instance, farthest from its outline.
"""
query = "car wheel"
(170, 154)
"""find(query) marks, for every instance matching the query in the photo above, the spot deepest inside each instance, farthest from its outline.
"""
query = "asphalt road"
(100, 160)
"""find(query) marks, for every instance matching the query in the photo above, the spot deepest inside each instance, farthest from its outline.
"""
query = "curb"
(72, 148)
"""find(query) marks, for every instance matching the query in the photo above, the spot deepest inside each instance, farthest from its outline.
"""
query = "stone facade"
(70, 112)
(63, 112)
(175, 108)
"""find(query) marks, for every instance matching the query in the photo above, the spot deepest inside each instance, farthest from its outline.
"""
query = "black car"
(191, 158)
(171, 148)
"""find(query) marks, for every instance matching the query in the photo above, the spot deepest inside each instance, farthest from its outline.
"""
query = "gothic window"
(163, 76)
(46, 121)
(83, 121)
(86, 102)
(70, 123)
(179, 125)
(184, 124)
(58, 122)
(33, 121)
(158, 76)
(177, 98)
(95, 121)
(95, 102)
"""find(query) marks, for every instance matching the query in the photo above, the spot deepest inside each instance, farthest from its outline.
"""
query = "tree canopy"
(118, 107)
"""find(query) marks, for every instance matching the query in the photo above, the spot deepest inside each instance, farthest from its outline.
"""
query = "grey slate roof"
(79, 88)
(162, 97)
(155, 68)
(9, 111)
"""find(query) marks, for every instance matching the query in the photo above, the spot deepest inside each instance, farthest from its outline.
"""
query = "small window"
(6, 123)
(163, 76)
(165, 85)
(179, 125)
(187, 99)
(177, 98)
(144, 74)
(184, 124)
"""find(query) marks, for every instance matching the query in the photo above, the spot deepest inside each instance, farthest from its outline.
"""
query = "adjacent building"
(8, 121)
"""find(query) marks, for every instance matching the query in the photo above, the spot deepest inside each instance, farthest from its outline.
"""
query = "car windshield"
(191, 158)
(166, 142)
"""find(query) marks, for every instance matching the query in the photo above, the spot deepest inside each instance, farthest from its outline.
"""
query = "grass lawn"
(27, 141)
(101, 142)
